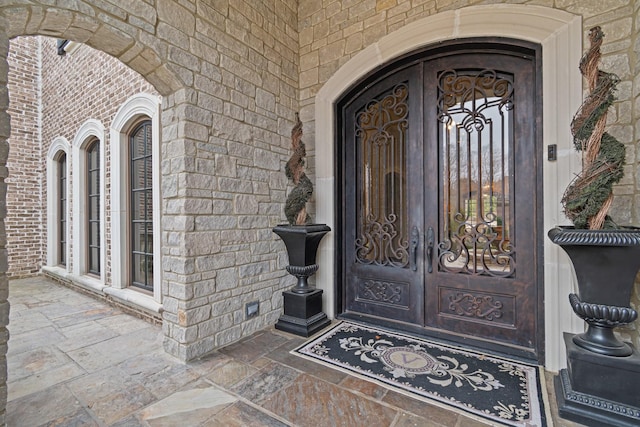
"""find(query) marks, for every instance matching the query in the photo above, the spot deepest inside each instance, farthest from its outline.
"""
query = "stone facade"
(225, 138)
(331, 33)
(232, 74)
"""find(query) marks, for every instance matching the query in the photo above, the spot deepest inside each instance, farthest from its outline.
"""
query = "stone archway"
(109, 32)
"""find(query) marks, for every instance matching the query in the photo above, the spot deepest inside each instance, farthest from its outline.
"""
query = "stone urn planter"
(302, 243)
(303, 313)
(605, 263)
(600, 385)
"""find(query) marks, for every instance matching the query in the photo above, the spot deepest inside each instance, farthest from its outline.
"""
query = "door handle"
(415, 242)
(430, 242)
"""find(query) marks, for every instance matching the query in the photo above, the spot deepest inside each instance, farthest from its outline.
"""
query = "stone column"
(634, 335)
(187, 185)
(5, 131)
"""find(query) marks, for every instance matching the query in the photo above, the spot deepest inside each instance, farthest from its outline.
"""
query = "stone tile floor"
(75, 361)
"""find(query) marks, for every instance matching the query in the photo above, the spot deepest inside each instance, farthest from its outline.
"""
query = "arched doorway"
(440, 158)
(559, 33)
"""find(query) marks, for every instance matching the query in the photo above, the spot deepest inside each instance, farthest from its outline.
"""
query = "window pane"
(94, 183)
(94, 233)
(138, 180)
(381, 129)
(137, 205)
(477, 142)
(93, 207)
(141, 213)
(94, 263)
(138, 270)
(62, 209)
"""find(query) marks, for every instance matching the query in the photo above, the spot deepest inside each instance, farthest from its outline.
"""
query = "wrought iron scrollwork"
(381, 127)
(476, 250)
(472, 95)
(477, 145)
(381, 291)
(480, 306)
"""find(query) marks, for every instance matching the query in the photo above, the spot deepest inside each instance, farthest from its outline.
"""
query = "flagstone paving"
(76, 361)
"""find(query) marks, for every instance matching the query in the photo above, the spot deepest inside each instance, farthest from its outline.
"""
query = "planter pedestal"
(596, 392)
(303, 313)
(600, 385)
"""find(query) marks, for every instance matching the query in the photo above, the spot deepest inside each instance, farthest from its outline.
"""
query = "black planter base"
(599, 390)
(303, 313)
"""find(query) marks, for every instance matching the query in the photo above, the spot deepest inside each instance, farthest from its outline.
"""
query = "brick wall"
(85, 84)
(24, 202)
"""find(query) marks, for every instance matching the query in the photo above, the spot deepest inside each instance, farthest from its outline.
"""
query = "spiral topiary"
(588, 198)
(295, 207)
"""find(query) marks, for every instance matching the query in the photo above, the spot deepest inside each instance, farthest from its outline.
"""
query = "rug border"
(540, 377)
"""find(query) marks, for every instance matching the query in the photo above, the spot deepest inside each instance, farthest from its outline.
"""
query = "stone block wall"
(232, 75)
(5, 132)
(24, 198)
(228, 73)
(634, 330)
(331, 33)
(223, 181)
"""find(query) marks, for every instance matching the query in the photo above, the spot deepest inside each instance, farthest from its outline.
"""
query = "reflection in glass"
(62, 209)
(381, 134)
(141, 212)
(476, 139)
(93, 211)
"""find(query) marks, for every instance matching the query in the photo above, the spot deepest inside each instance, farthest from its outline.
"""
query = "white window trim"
(59, 144)
(134, 108)
(87, 131)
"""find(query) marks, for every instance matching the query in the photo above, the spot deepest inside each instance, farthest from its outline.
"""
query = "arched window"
(135, 201)
(58, 161)
(61, 161)
(89, 241)
(141, 206)
(93, 196)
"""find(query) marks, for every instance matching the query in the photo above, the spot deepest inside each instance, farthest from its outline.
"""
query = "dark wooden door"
(384, 213)
(439, 220)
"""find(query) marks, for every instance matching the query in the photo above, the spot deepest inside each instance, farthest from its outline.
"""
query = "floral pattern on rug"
(485, 386)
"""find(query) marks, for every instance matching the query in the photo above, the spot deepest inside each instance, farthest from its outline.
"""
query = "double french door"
(439, 216)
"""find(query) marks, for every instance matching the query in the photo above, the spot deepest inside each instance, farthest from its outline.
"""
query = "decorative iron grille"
(476, 138)
(381, 134)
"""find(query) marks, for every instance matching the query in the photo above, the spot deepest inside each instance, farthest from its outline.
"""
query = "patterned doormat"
(485, 387)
